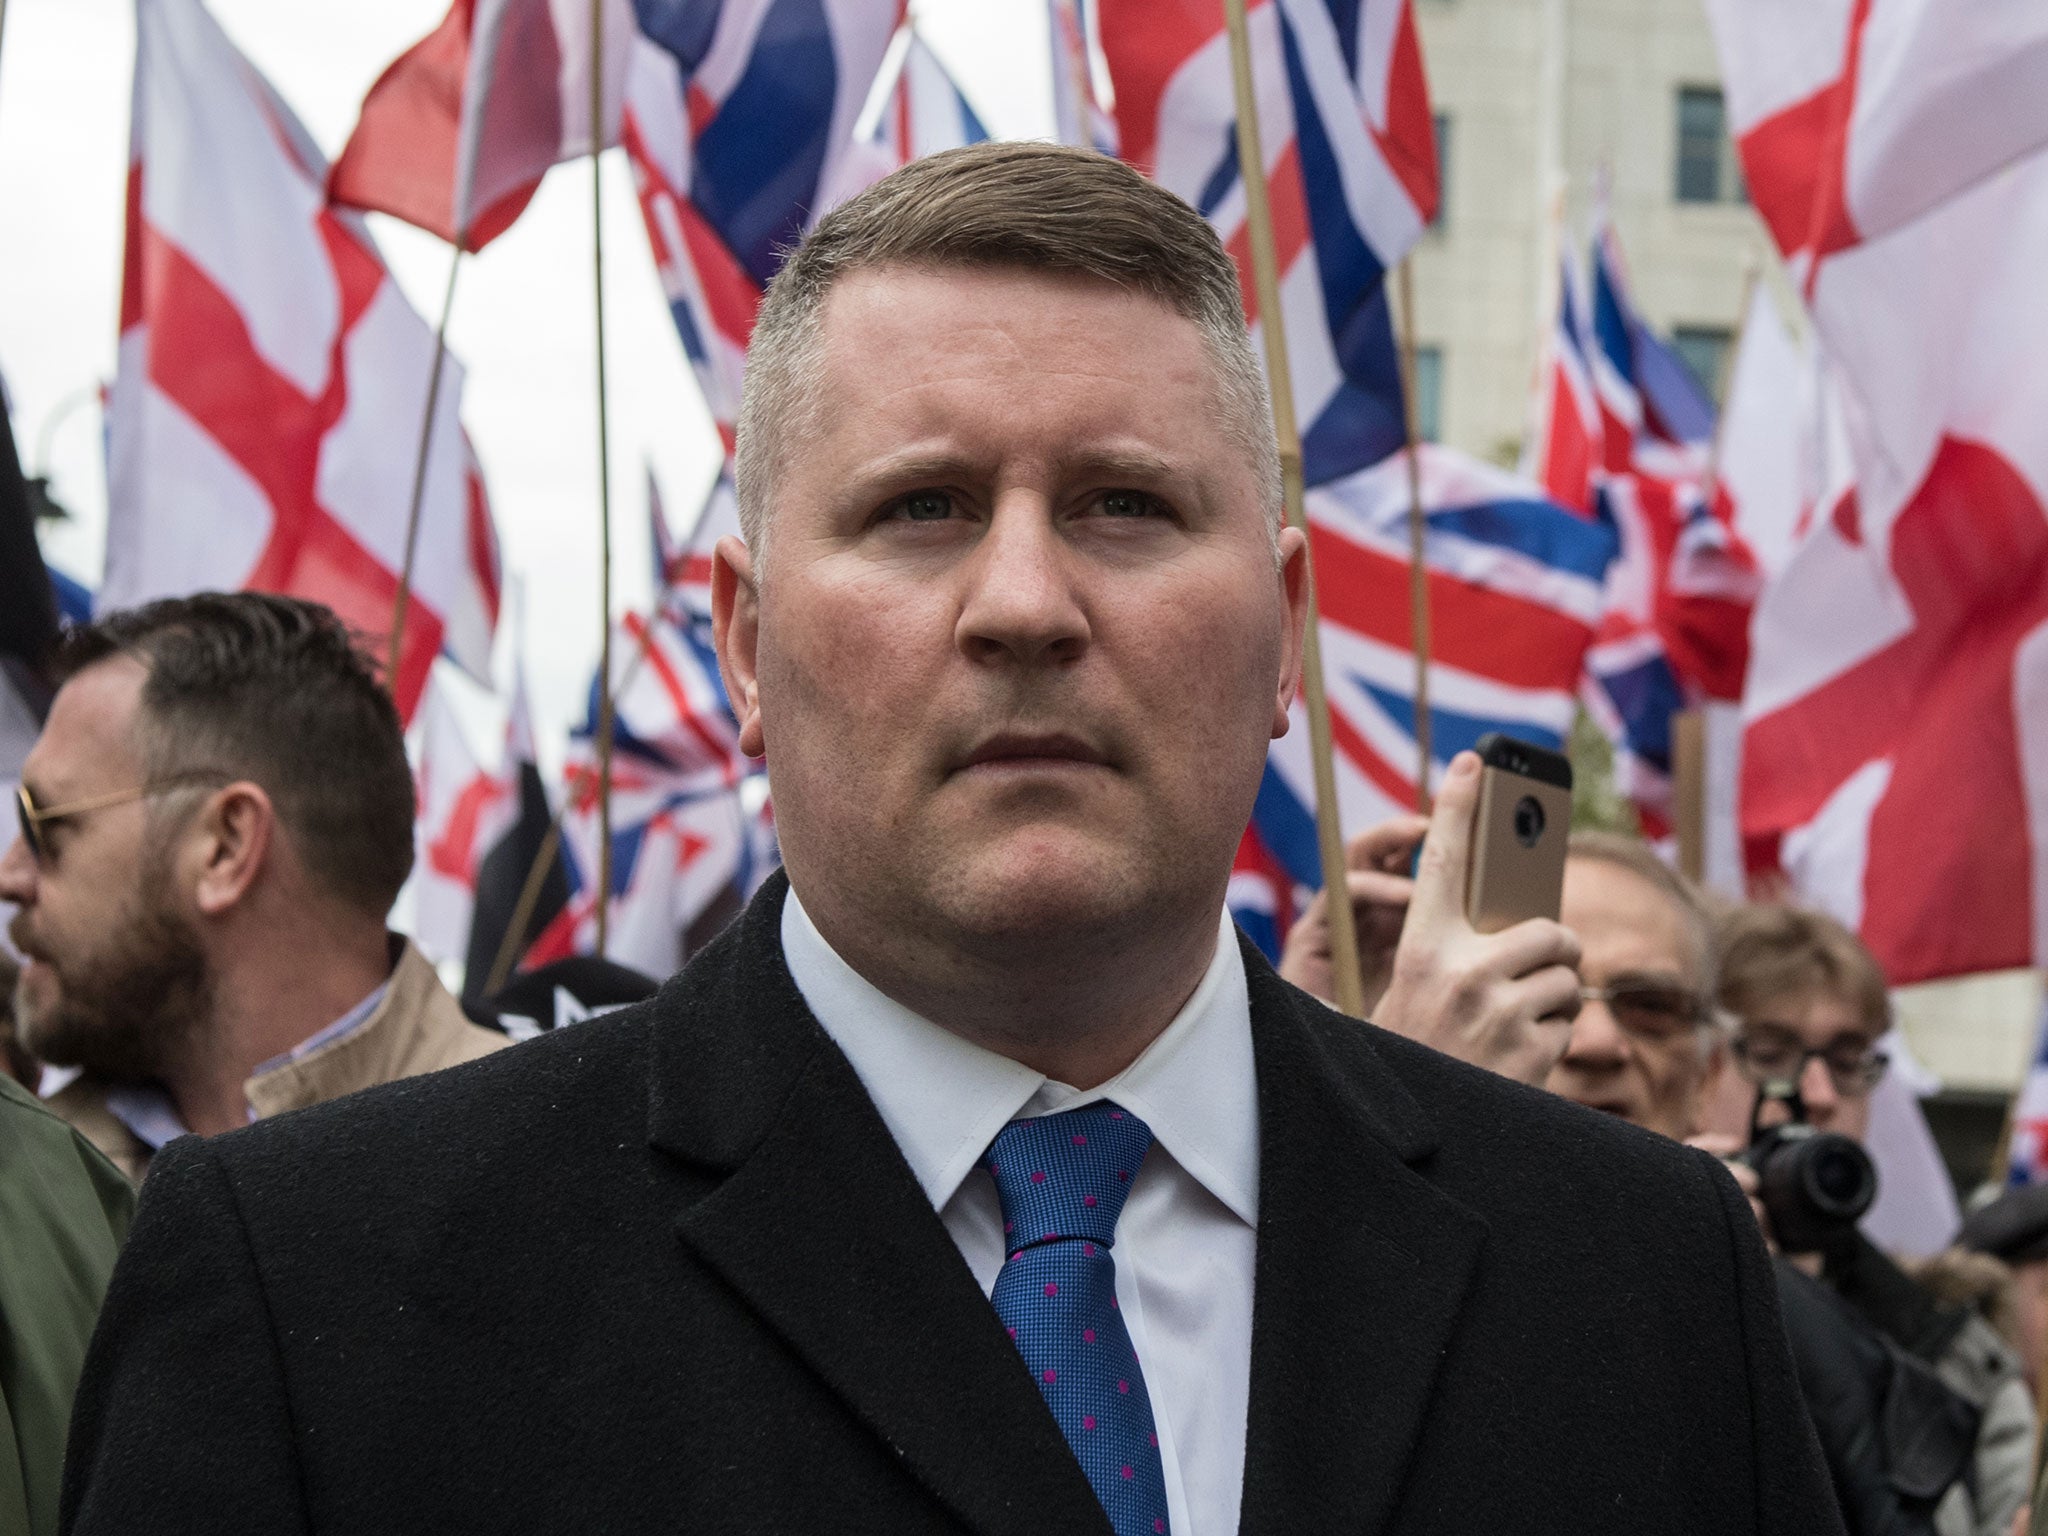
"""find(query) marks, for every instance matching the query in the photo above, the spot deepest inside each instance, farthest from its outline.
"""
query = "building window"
(1707, 171)
(1440, 124)
(1429, 393)
(1704, 350)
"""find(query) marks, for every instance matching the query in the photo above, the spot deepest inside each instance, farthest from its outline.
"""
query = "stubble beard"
(130, 1011)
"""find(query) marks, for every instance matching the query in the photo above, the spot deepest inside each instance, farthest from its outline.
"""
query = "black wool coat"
(667, 1271)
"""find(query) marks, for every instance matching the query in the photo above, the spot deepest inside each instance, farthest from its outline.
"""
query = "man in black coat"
(979, 1179)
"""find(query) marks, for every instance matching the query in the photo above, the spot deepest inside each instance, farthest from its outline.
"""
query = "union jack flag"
(2029, 1153)
(1675, 629)
(1515, 589)
(1345, 129)
(688, 843)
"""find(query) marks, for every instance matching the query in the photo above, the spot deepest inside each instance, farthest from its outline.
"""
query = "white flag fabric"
(464, 808)
(1896, 756)
(1857, 116)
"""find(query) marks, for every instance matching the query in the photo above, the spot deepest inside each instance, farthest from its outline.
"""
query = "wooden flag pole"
(604, 490)
(1418, 568)
(419, 472)
(1266, 283)
(512, 945)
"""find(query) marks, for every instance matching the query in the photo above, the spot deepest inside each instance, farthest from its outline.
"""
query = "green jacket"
(64, 1210)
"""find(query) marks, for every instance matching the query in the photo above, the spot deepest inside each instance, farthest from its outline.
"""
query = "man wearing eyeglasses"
(1810, 1005)
(211, 829)
(1644, 1043)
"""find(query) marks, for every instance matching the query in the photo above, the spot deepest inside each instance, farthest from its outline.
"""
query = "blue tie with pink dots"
(1062, 1180)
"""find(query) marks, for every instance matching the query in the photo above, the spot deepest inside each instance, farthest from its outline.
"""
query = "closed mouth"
(1021, 750)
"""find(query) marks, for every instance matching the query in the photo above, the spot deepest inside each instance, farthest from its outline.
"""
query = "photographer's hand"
(1377, 860)
(1503, 1001)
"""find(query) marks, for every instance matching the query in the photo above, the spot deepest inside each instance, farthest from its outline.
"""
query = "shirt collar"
(347, 1024)
(147, 1110)
(944, 1098)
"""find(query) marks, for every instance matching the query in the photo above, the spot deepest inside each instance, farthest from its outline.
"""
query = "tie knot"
(1066, 1175)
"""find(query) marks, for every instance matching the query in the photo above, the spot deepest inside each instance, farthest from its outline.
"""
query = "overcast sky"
(523, 312)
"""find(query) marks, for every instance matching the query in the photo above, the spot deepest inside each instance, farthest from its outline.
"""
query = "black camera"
(1815, 1185)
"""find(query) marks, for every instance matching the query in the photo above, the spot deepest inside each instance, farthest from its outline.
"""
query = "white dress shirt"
(1187, 1239)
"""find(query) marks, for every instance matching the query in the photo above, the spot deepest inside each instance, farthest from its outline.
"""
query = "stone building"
(1536, 101)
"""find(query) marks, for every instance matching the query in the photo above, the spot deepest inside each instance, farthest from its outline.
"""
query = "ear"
(736, 626)
(226, 845)
(1293, 577)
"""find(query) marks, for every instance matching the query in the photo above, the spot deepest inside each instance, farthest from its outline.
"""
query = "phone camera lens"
(1529, 821)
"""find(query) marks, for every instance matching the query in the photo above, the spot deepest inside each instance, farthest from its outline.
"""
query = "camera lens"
(1529, 821)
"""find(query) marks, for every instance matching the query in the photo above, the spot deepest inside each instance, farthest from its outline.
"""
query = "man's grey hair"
(1691, 904)
(1016, 206)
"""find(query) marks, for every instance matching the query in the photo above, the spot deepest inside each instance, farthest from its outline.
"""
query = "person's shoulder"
(41, 1148)
(1512, 1148)
(528, 1104)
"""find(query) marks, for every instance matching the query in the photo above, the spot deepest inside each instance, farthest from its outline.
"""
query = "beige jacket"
(418, 1027)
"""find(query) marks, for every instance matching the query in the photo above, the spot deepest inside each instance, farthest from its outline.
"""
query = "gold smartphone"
(1518, 833)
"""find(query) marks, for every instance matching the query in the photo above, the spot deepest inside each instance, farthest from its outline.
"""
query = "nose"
(1596, 1041)
(1021, 604)
(1817, 1092)
(18, 873)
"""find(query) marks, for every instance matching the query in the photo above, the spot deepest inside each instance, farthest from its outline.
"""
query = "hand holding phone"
(1519, 829)
(1501, 1000)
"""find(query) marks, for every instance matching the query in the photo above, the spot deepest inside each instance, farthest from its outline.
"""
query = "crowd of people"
(1029, 622)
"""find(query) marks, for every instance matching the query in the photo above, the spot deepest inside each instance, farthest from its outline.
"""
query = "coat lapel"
(1362, 1271)
(821, 1227)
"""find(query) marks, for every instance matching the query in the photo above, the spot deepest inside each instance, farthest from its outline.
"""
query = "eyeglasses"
(33, 818)
(1651, 1010)
(1767, 1056)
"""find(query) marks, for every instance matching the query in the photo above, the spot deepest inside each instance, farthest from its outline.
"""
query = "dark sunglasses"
(1648, 1009)
(33, 818)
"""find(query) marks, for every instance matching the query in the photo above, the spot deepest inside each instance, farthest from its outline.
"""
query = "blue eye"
(922, 507)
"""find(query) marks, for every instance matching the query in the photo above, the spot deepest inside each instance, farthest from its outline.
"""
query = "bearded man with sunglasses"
(212, 826)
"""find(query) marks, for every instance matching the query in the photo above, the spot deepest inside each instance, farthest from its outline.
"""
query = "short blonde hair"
(1024, 206)
(1771, 952)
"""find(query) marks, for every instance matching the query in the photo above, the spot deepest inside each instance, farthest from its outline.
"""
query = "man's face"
(113, 971)
(1630, 932)
(1021, 639)
(1783, 1030)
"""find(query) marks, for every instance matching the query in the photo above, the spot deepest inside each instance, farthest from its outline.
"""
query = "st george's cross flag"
(268, 368)
(1855, 117)
(1345, 128)
(456, 134)
(1896, 753)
